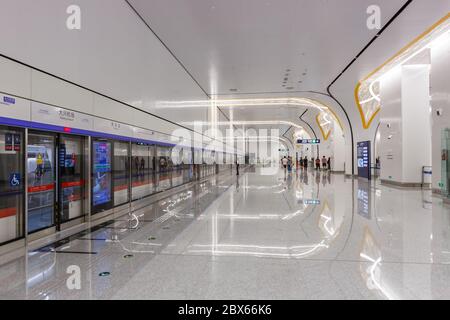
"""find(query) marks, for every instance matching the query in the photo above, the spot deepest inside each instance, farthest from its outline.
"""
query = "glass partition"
(12, 184)
(121, 173)
(164, 167)
(187, 163)
(177, 170)
(71, 177)
(143, 179)
(41, 174)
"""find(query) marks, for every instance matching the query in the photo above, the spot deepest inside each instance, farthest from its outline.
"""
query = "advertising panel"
(101, 188)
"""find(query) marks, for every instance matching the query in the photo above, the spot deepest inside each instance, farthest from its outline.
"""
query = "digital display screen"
(308, 141)
(101, 188)
(363, 152)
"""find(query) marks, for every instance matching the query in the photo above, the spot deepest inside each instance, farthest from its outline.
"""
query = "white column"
(405, 127)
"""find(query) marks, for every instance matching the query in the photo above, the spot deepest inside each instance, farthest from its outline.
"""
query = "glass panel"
(41, 181)
(72, 182)
(121, 174)
(142, 171)
(177, 161)
(187, 164)
(101, 175)
(12, 184)
(164, 168)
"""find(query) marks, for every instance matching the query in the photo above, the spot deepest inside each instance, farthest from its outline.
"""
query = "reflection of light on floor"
(371, 252)
(329, 230)
(35, 279)
(262, 216)
(223, 250)
(376, 268)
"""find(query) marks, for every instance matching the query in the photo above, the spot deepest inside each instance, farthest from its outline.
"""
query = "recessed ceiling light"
(304, 73)
(300, 82)
(287, 70)
(233, 90)
(290, 88)
(285, 79)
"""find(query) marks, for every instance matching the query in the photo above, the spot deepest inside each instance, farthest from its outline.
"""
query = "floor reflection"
(303, 234)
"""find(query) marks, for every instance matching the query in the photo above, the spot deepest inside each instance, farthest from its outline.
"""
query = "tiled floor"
(303, 235)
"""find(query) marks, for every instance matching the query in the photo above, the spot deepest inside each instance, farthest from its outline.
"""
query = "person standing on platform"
(284, 162)
(329, 163)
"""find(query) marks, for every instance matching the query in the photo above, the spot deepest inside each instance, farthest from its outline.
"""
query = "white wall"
(114, 53)
(416, 121)
(440, 99)
(339, 149)
(391, 137)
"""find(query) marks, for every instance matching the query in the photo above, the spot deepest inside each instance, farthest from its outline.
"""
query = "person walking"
(324, 162)
(329, 163)
(284, 162)
(289, 164)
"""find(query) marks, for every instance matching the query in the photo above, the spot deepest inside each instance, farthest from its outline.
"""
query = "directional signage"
(363, 152)
(308, 141)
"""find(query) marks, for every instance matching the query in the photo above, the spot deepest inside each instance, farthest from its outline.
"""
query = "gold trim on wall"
(367, 122)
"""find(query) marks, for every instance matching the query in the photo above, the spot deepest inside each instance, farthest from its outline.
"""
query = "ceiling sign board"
(308, 141)
(363, 152)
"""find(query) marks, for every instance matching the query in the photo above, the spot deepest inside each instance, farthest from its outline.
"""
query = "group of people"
(326, 163)
(303, 163)
(287, 163)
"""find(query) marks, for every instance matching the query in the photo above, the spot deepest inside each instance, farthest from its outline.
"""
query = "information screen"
(308, 141)
(101, 188)
(363, 149)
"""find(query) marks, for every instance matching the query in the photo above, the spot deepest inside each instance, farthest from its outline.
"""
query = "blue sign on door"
(14, 179)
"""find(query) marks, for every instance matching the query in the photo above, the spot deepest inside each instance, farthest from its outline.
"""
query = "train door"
(41, 173)
(71, 179)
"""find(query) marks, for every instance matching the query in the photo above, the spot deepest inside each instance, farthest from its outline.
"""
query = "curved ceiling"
(142, 52)
(250, 45)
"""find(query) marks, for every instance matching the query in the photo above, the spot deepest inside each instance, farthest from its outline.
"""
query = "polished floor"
(301, 235)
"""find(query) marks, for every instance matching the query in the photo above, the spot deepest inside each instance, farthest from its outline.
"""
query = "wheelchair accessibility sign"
(14, 180)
